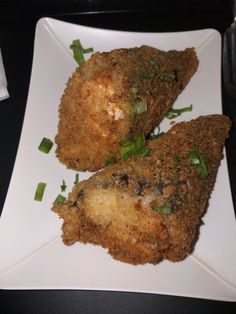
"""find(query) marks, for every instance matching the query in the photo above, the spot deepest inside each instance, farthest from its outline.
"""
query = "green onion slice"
(76, 178)
(197, 158)
(110, 161)
(132, 147)
(139, 106)
(45, 145)
(40, 191)
(194, 157)
(127, 149)
(162, 75)
(154, 135)
(203, 169)
(173, 113)
(163, 209)
(79, 51)
(139, 142)
(144, 151)
(63, 186)
(60, 199)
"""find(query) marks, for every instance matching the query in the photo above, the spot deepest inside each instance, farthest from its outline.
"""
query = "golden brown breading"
(104, 99)
(115, 207)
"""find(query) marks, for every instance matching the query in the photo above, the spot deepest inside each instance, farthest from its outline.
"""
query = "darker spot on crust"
(106, 185)
(80, 195)
(137, 190)
(142, 183)
(139, 187)
(160, 185)
(125, 179)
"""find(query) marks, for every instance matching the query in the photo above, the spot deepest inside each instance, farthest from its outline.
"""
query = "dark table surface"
(17, 27)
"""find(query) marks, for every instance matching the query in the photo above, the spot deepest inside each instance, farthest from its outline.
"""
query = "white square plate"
(32, 254)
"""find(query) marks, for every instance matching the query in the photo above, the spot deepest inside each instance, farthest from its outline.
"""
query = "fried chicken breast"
(118, 95)
(147, 209)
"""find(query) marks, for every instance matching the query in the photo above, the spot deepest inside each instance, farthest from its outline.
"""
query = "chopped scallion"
(139, 106)
(194, 157)
(197, 158)
(132, 147)
(203, 168)
(144, 151)
(39, 191)
(79, 51)
(127, 149)
(60, 199)
(154, 135)
(111, 161)
(157, 72)
(173, 113)
(139, 142)
(45, 145)
(163, 209)
(63, 186)
(76, 178)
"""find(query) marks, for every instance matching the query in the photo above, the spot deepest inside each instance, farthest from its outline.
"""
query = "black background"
(17, 27)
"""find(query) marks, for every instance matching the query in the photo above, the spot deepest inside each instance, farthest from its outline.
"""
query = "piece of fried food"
(118, 95)
(148, 209)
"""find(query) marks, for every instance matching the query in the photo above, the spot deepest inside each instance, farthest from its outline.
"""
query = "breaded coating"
(118, 95)
(120, 207)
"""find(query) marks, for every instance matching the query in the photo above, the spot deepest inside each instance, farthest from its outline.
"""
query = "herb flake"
(45, 145)
(39, 191)
(79, 51)
(63, 186)
(60, 199)
(76, 178)
(198, 159)
(173, 113)
(134, 147)
(157, 72)
(163, 209)
(110, 161)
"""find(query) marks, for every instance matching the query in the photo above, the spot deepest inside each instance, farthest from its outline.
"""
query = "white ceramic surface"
(32, 255)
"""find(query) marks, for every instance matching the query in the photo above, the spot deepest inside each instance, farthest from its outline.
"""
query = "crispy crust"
(96, 111)
(113, 208)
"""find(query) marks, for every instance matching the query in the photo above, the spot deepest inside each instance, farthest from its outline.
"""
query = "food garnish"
(138, 105)
(45, 145)
(154, 135)
(173, 113)
(197, 158)
(60, 199)
(76, 178)
(63, 186)
(132, 147)
(111, 161)
(79, 51)
(163, 209)
(163, 75)
(40, 191)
